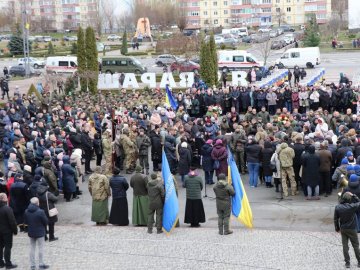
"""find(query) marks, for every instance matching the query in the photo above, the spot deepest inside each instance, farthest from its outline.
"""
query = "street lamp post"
(25, 30)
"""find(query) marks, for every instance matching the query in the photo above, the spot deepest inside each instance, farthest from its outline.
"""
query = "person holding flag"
(170, 100)
(223, 192)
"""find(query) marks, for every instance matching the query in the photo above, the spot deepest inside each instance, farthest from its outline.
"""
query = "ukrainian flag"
(170, 99)
(240, 204)
(171, 205)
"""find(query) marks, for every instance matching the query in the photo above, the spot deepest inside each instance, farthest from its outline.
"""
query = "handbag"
(52, 212)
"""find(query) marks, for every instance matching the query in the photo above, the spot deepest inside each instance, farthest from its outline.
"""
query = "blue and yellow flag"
(171, 205)
(170, 99)
(240, 207)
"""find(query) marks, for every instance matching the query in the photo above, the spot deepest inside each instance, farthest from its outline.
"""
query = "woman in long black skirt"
(119, 207)
(194, 208)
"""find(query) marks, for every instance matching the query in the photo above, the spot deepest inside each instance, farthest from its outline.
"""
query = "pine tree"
(124, 46)
(81, 59)
(51, 50)
(92, 65)
(206, 70)
(16, 45)
(74, 48)
(311, 35)
(213, 56)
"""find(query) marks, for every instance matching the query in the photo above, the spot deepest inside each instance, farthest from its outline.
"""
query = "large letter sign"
(130, 80)
(186, 79)
(239, 78)
(149, 78)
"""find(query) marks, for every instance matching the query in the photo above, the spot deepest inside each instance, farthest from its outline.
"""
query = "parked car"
(20, 71)
(278, 44)
(273, 33)
(259, 38)
(35, 63)
(185, 66)
(31, 38)
(165, 59)
(289, 38)
(70, 38)
(230, 42)
(264, 30)
(196, 59)
(47, 39)
(279, 30)
(113, 37)
(218, 40)
(287, 28)
(246, 39)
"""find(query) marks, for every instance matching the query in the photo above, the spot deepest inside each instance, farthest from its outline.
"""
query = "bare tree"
(107, 14)
(339, 8)
(47, 24)
(265, 50)
(7, 17)
(279, 16)
(180, 44)
(181, 20)
(334, 25)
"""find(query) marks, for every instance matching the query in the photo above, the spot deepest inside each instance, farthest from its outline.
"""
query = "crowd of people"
(305, 139)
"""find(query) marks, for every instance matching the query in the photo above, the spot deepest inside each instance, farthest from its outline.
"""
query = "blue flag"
(240, 206)
(170, 99)
(171, 205)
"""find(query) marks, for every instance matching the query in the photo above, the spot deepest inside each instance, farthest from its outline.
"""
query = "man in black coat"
(345, 223)
(87, 147)
(8, 228)
(156, 148)
(299, 148)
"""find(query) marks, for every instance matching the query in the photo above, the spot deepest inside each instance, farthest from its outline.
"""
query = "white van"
(61, 64)
(302, 57)
(236, 60)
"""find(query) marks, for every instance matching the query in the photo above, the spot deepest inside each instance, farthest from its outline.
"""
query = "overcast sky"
(121, 5)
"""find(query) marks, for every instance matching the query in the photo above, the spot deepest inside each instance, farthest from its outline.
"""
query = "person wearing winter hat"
(156, 195)
(345, 223)
(194, 208)
(207, 162)
(184, 162)
(223, 192)
(350, 158)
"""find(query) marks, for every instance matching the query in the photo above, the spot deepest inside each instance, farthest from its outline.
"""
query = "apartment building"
(191, 10)
(56, 15)
(215, 13)
(236, 13)
(297, 12)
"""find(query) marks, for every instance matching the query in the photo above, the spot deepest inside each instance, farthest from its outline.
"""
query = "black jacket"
(119, 186)
(7, 220)
(36, 220)
(86, 142)
(253, 153)
(345, 215)
(47, 201)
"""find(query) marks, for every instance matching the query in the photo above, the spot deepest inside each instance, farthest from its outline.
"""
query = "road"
(334, 63)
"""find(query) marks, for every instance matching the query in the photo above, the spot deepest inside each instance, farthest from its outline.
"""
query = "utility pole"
(25, 30)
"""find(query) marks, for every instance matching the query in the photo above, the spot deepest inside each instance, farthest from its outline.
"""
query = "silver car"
(165, 59)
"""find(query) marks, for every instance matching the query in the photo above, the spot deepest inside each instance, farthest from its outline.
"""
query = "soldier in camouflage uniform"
(131, 151)
(143, 142)
(237, 145)
(106, 144)
(223, 191)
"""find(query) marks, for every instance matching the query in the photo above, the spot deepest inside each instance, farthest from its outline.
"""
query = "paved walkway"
(110, 248)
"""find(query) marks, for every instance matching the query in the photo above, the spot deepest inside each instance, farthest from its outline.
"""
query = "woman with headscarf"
(194, 208)
(119, 206)
(219, 155)
(184, 162)
(310, 173)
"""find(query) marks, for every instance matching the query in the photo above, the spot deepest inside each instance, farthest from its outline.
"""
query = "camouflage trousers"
(223, 220)
(288, 173)
(130, 160)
